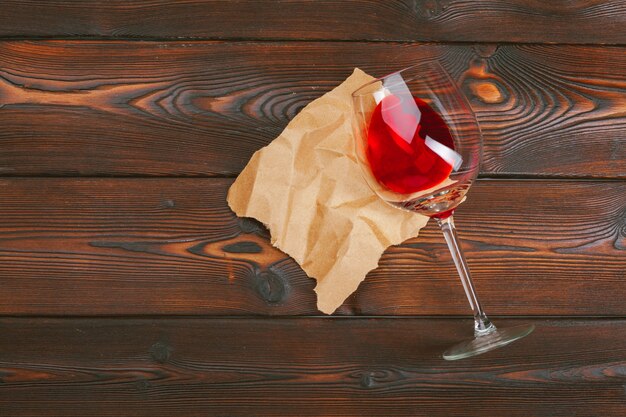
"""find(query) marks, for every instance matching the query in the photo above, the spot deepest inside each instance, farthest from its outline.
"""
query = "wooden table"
(129, 288)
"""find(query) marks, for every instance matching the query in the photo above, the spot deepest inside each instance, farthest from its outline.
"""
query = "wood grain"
(172, 246)
(188, 104)
(305, 367)
(202, 109)
(578, 21)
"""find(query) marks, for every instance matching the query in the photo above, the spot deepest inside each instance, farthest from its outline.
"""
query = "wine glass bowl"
(419, 146)
(418, 139)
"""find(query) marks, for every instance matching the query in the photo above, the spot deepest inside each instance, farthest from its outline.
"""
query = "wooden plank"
(119, 108)
(580, 21)
(172, 246)
(305, 367)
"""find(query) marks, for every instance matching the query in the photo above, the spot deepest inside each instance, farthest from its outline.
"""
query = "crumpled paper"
(308, 189)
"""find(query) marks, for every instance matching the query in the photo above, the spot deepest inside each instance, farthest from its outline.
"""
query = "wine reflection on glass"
(419, 146)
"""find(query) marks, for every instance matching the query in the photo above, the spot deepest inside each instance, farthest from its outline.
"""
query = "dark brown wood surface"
(305, 367)
(203, 108)
(137, 292)
(172, 246)
(573, 21)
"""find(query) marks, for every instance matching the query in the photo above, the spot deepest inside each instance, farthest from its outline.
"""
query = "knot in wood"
(367, 380)
(168, 203)
(429, 9)
(160, 352)
(376, 378)
(249, 225)
(486, 50)
(142, 385)
(243, 247)
(487, 91)
(271, 287)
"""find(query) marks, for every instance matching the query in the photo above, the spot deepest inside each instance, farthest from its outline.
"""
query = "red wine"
(408, 151)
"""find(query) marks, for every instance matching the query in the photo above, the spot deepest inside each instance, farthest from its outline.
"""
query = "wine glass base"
(488, 342)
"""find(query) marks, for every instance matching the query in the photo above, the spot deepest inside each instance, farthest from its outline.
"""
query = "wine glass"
(419, 146)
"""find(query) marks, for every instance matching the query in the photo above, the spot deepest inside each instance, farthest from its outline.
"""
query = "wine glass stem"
(482, 324)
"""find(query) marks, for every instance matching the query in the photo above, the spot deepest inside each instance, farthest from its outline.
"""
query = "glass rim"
(428, 62)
